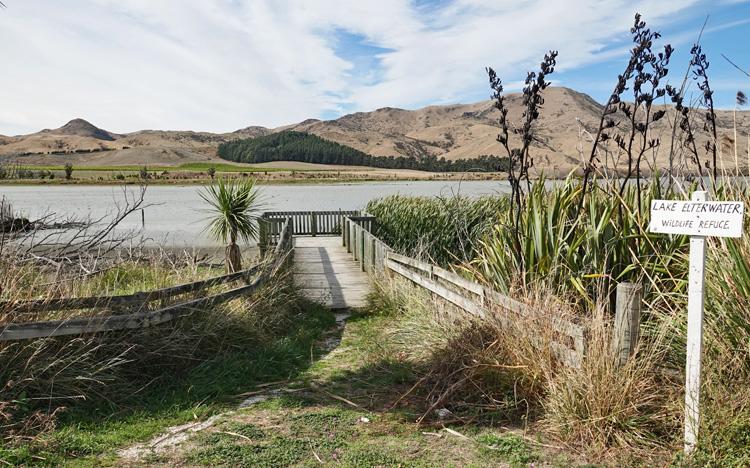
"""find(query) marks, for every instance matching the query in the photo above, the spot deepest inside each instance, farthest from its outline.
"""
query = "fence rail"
(367, 249)
(142, 319)
(375, 256)
(304, 223)
(121, 301)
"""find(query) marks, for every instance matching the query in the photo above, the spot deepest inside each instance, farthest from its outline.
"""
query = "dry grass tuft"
(602, 409)
(504, 369)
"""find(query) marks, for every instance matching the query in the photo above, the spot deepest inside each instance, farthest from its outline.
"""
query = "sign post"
(697, 218)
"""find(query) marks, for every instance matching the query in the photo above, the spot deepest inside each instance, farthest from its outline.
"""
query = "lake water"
(175, 215)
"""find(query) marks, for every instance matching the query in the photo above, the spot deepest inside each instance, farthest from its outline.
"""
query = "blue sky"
(727, 32)
(219, 65)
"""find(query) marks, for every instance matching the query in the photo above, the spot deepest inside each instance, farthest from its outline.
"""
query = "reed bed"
(442, 229)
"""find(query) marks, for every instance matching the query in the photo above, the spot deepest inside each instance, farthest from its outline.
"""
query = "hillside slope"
(451, 131)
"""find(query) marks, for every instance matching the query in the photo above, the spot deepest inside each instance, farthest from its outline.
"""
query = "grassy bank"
(279, 177)
(566, 258)
(69, 398)
(206, 172)
(187, 167)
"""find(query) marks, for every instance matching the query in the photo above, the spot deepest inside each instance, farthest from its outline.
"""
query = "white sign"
(697, 218)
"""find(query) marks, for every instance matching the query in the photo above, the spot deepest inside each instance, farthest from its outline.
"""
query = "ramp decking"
(327, 274)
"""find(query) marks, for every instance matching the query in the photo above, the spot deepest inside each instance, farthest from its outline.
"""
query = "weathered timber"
(627, 321)
(121, 301)
(79, 326)
(326, 274)
(570, 351)
(143, 319)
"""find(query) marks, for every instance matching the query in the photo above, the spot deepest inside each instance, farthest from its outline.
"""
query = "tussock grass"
(504, 371)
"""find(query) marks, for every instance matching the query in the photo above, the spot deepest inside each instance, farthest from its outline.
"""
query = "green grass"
(311, 427)
(508, 448)
(188, 167)
(443, 229)
(97, 430)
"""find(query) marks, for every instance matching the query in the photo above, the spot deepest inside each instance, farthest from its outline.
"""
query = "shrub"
(68, 168)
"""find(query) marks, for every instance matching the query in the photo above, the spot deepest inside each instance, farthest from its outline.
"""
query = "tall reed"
(443, 229)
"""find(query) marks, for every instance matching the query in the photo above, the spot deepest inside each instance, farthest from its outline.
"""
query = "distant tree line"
(305, 147)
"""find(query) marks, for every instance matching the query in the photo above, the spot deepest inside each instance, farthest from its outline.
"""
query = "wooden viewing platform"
(327, 274)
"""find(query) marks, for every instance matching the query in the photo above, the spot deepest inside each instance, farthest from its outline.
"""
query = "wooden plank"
(449, 276)
(451, 296)
(79, 326)
(139, 298)
(321, 282)
(325, 273)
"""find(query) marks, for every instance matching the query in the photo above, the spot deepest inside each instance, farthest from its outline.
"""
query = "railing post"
(362, 257)
(313, 224)
(373, 255)
(627, 321)
(262, 236)
(345, 233)
(349, 243)
(355, 248)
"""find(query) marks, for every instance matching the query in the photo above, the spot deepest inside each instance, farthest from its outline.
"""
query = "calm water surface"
(175, 216)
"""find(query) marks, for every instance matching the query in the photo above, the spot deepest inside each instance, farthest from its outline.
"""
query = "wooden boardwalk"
(327, 274)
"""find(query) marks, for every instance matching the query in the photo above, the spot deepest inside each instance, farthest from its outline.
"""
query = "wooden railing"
(138, 299)
(375, 256)
(367, 249)
(260, 275)
(476, 299)
(304, 223)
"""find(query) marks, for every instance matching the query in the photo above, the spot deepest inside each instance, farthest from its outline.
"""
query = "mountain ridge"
(452, 131)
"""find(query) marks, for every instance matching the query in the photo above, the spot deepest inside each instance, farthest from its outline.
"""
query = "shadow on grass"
(358, 406)
(387, 379)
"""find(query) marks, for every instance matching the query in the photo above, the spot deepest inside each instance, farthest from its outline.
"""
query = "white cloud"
(219, 65)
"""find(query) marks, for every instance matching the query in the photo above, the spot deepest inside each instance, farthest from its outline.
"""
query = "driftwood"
(72, 242)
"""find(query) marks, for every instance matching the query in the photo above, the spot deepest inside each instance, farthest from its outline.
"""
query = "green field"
(188, 167)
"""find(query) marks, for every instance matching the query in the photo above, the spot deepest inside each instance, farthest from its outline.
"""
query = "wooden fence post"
(627, 321)
(262, 236)
(345, 234)
(362, 256)
(342, 224)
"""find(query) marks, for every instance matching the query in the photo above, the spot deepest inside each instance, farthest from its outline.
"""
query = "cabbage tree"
(235, 211)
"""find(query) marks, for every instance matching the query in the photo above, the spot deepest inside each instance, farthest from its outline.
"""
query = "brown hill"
(451, 131)
(82, 128)
(564, 130)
